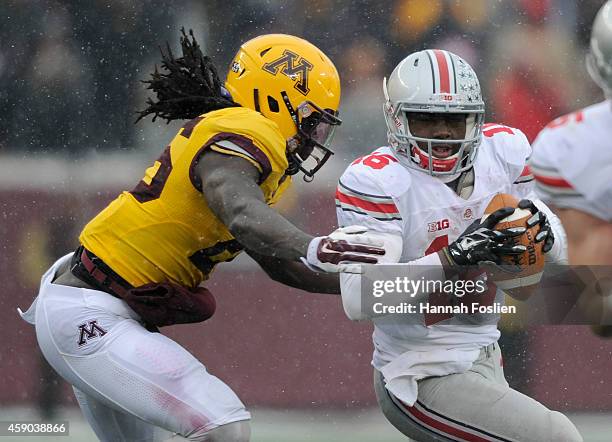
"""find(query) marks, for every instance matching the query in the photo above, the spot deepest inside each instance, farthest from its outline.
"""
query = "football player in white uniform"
(572, 164)
(435, 379)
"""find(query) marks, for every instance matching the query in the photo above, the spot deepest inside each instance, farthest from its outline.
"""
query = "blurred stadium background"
(69, 76)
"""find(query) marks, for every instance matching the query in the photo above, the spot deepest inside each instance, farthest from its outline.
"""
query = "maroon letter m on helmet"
(94, 331)
(295, 72)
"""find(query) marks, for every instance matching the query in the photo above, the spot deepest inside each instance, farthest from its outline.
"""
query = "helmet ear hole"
(273, 104)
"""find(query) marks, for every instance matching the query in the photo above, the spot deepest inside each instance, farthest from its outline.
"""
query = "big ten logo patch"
(90, 330)
(438, 225)
(293, 66)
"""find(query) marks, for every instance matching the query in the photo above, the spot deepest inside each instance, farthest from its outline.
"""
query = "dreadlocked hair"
(190, 87)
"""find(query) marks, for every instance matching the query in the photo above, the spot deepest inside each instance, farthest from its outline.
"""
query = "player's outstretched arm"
(230, 186)
(295, 274)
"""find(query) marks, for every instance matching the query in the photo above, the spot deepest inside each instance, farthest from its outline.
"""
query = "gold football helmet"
(293, 83)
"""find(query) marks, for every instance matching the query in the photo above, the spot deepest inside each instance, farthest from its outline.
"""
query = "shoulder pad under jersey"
(377, 173)
(508, 144)
(246, 123)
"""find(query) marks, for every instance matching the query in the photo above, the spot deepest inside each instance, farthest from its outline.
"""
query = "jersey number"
(376, 161)
(437, 244)
(151, 186)
(490, 129)
(577, 117)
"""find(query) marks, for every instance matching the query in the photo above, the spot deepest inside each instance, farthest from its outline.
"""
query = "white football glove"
(343, 250)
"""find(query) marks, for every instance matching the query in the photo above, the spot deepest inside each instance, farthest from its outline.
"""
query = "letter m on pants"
(296, 72)
(89, 331)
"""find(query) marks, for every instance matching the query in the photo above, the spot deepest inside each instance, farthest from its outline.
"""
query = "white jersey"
(572, 161)
(378, 192)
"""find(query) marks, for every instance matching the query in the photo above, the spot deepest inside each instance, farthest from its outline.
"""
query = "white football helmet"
(599, 58)
(433, 81)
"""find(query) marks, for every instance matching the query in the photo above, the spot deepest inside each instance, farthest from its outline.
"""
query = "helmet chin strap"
(292, 143)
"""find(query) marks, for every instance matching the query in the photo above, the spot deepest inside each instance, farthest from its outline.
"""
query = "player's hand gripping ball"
(544, 234)
(527, 266)
(482, 242)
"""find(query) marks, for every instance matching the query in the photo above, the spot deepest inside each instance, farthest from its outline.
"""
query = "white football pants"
(475, 406)
(130, 383)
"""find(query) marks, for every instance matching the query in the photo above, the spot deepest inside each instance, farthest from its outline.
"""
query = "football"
(531, 262)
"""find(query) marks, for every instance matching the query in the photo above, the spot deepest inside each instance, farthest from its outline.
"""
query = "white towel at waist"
(401, 374)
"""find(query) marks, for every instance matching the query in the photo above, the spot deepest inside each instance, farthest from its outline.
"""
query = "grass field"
(365, 425)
